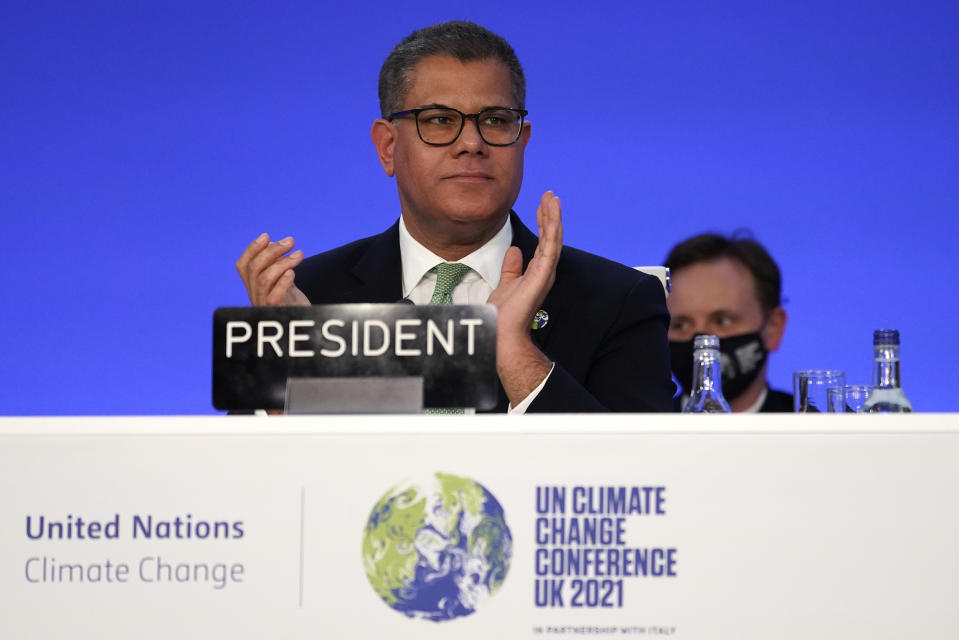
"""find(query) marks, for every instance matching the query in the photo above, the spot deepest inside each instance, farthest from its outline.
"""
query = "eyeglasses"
(441, 126)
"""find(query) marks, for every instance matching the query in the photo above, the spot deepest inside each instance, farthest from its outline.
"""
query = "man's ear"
(772, 333)
(383, 134)
(525, 133)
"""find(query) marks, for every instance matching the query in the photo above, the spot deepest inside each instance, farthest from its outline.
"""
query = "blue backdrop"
(143, 145)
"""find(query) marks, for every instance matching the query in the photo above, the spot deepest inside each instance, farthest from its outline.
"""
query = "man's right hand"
(267, 272)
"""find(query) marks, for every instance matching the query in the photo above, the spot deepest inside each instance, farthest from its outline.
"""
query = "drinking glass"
(849, 398)
(810, 389)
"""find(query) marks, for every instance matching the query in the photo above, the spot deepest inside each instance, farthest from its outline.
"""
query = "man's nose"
(470, 139)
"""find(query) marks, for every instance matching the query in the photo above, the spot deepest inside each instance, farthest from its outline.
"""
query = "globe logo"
(437, 549)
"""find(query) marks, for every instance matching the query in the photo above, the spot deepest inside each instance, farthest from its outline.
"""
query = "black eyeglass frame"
(463, 118)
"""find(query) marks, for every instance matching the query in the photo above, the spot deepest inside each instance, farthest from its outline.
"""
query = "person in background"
(732, 288)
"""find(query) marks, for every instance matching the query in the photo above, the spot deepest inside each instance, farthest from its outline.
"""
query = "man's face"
(460, 191)
(717, 297)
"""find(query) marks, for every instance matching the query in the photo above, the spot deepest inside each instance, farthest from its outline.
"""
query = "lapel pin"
(540, 320)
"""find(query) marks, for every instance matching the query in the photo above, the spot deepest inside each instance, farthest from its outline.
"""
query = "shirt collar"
(487, 261)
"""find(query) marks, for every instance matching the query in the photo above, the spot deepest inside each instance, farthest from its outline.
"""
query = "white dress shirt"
(475, 288)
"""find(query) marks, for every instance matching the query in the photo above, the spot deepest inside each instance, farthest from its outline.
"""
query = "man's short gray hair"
(465, 41)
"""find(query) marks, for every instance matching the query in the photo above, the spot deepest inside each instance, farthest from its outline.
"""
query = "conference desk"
(731, 526)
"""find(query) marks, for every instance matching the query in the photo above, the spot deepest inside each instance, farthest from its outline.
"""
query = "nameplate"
(257, 349)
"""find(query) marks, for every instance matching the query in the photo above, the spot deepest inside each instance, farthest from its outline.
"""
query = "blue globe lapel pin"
(540, 320)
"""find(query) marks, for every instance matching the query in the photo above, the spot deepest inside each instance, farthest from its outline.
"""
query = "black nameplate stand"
(354, 358)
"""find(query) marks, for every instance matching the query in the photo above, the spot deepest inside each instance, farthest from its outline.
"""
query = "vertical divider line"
(302, 530)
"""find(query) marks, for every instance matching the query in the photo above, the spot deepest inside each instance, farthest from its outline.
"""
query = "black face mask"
(742, 358)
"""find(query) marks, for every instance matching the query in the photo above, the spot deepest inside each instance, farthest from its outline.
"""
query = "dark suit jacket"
(777, 402)
(606, 330)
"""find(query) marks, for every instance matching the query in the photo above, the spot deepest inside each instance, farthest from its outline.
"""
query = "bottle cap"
(885, 336)
(706, 342)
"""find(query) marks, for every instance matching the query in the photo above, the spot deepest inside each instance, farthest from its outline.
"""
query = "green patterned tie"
(448, 275)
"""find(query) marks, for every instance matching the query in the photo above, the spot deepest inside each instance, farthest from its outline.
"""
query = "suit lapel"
(379, 270)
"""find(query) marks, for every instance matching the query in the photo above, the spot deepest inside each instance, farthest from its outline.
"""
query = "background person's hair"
(465, 41)
(706, 247)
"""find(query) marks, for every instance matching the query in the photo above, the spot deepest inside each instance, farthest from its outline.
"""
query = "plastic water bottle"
(707, 391)
(887, 395)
